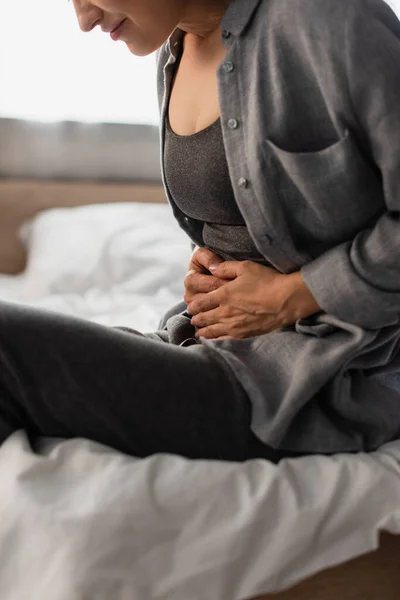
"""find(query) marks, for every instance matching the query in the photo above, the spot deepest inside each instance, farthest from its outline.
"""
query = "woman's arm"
(366, 287)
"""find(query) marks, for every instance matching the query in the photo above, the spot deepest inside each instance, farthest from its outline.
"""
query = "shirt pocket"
(330, 194)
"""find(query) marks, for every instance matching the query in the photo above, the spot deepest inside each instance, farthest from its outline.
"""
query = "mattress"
(80, 521)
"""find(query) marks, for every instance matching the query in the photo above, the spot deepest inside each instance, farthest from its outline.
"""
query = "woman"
(281, 151)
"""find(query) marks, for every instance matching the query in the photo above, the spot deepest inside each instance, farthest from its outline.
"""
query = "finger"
(202, 283)
(195, 283)
(212, 332)
(191, 306)
(206, 318)
(204, 257)
(203, 303)
(230, 269)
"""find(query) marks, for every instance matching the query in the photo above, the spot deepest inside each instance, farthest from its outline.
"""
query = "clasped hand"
(232, 299)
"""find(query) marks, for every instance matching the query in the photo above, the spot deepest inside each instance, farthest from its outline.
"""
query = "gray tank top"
(197, 176)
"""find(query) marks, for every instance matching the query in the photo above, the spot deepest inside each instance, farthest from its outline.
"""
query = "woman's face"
(144, 25)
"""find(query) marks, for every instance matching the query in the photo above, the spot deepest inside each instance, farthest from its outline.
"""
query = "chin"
(142, 49)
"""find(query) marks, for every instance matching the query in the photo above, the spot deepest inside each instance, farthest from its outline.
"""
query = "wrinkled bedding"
(82, 522)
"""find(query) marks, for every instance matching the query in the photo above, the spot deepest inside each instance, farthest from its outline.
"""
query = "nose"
(88, 15)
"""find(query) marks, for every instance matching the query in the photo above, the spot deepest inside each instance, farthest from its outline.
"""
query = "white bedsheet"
(118, 264)
(82, 522)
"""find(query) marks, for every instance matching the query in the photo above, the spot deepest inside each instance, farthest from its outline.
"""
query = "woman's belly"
(232, 242)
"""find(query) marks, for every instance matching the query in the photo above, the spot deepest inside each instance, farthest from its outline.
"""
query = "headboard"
(47, 165)
(21, 200)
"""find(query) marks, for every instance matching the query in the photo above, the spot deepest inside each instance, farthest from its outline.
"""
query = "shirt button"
(226, 34)
(267, 239)
(243, 183)
(228, 67)
(233, 124)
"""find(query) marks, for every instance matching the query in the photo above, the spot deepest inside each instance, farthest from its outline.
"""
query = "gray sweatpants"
(66, 377)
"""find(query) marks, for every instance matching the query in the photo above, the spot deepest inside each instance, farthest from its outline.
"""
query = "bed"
(82, 522)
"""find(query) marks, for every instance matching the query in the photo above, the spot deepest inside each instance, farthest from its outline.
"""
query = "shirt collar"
(238, 15)
(235, 20)
(174, 41)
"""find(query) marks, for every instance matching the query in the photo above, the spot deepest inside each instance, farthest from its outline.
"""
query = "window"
(50, 70)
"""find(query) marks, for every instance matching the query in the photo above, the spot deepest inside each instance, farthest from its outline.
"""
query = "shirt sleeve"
(365, 288)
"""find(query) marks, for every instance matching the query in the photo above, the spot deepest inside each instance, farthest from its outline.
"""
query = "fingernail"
(213, 267)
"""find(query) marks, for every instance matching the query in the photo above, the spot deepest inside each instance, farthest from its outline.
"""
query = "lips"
(115, 33)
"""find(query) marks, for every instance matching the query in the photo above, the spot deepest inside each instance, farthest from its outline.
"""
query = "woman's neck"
(202, 18)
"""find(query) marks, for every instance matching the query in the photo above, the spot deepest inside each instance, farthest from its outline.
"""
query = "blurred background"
(59, 85)
(50, 71)
(84, 224)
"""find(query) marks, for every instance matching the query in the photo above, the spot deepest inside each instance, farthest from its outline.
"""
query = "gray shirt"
(313, 150)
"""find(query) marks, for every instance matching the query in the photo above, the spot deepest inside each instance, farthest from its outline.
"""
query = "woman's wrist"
(298, 301)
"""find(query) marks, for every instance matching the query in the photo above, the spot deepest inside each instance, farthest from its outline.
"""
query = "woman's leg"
(65, 377)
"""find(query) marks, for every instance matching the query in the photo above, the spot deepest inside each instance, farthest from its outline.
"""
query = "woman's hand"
(199, 280)
(257, 300)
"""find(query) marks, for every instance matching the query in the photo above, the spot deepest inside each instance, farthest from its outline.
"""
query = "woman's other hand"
(257, 300)
(199, 280)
